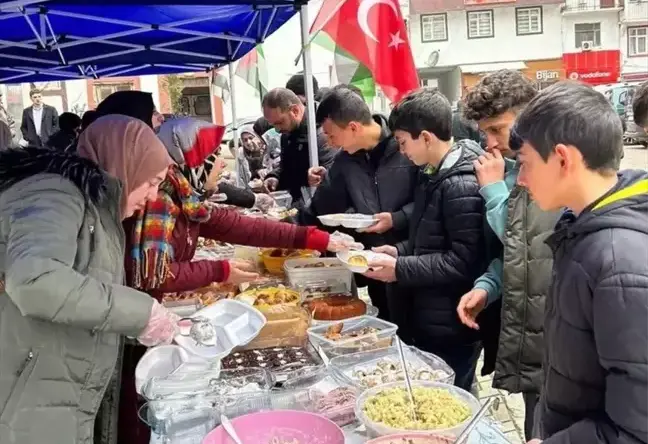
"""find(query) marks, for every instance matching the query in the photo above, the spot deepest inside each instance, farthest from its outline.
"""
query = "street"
(635, 157)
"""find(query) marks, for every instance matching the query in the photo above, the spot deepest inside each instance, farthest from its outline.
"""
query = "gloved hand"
(342, 242)
(263, 202)
(161, 328)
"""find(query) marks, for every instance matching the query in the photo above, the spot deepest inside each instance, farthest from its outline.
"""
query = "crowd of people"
(506, 229)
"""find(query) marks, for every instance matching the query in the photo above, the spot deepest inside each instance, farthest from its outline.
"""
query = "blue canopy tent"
(43, 40)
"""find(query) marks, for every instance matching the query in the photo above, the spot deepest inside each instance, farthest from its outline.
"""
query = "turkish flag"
(374, 32)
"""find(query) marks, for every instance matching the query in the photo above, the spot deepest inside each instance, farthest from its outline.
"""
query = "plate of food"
(358, 261)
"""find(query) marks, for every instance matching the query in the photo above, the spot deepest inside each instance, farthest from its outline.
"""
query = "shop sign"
(593, 67)
(547, 75)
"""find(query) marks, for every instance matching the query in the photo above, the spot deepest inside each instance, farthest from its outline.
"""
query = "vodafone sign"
(593, 67)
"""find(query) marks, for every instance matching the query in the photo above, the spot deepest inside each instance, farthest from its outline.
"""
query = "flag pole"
(310, 90)
(235, 137)
(313, 35)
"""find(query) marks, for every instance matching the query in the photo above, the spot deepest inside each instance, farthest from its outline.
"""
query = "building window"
(587, 32)
(480, 24)
(638, 41)
(103, 90)
(528, 21)
(434, 27)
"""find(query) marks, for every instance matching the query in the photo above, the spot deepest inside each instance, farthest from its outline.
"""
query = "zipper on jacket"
(25, 363)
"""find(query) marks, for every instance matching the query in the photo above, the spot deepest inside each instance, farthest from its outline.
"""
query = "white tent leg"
(308, 83)
(235, 135)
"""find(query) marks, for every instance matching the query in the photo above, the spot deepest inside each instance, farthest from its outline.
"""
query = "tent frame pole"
(310, 90)
(235, 135)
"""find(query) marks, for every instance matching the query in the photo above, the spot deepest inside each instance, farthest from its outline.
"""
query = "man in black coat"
(445, 249)
(39, 121)
(596, 319)
(369, 176)
(287, 113)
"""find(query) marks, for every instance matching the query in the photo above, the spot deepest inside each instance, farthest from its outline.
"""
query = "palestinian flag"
(252, 68)
(346, 68)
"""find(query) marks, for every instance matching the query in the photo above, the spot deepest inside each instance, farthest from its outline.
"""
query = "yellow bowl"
(275, 265)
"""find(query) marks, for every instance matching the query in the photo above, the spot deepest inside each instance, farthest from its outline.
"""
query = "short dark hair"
(323, 91)
(640, 105)
(34, 91)
(497, 93)
(343, 106)
(88, 117)
(572, 113)
(350, 87)
(281, 98)
(297, 84)
(261, 125)
(69, 122)
(423, 110)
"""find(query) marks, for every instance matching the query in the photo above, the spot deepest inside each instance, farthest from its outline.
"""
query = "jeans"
(462, 359)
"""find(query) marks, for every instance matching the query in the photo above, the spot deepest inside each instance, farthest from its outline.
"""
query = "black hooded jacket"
(596, 323)
(369, 182)
(444, 254)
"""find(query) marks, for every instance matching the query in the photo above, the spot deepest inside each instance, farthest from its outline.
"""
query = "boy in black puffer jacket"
(445, 251)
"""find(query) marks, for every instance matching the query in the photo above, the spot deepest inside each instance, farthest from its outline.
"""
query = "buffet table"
(297, 340)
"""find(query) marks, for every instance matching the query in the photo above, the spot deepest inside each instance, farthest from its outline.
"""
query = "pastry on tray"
(335, 307)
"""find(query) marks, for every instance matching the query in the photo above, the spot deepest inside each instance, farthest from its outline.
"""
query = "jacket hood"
(459, 160)
(625, 206)
(21, 163)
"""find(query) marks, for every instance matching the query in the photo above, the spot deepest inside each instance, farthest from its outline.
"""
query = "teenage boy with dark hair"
(518, 276)
(369, 176)
(297, 84)
(596, 326)
(445, 250)
(640, 106)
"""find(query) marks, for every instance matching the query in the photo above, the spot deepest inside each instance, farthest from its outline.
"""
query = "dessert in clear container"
(285, 326)
(324, 395)
(375, 367)
(353, 335)
(440, 408)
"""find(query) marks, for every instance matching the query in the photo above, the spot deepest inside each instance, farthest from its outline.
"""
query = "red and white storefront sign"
(593, 67)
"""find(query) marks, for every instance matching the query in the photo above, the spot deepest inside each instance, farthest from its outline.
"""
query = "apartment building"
(634, 40)
(455, 42)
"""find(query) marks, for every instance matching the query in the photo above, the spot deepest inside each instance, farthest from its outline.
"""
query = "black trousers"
(530, 402)
(462, 359)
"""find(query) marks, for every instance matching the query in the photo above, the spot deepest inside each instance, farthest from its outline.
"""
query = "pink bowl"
(286, 425)
(412, 438)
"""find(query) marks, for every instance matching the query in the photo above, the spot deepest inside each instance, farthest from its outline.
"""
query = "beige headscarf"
(125, 148)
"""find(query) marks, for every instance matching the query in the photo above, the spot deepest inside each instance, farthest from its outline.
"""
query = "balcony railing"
(590, 5)
(636, 11)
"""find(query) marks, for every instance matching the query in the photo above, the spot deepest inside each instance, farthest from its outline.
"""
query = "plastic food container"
(348, 220)
(382, 337)
(232, 393)
(236, 324)
(326, 396)
(160, 361)
(378, 429)
(285, 326)
(275, 264)
(344, 257)
(301, 271)
(346, 368)
(283, 425)
(282, 198)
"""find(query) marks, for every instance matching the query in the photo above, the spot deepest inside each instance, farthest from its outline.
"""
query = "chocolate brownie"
(269, 358)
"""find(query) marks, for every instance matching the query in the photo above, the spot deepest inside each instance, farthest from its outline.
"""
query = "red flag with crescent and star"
(374, 32)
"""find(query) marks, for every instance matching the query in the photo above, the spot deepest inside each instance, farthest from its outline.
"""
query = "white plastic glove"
(162, 326)
(342, 242)
(263, 202)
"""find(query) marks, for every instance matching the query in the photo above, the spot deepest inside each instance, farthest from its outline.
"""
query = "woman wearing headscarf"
(64, 310)
(195, 144)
